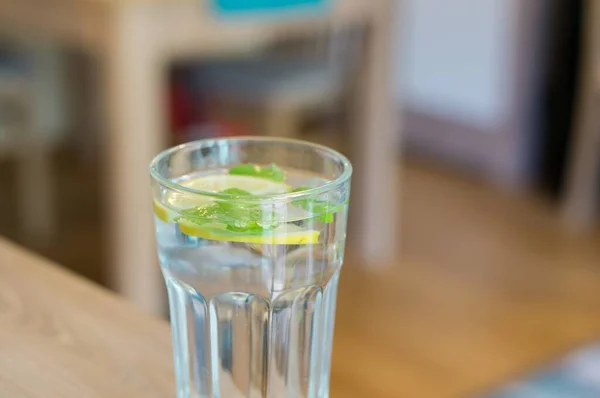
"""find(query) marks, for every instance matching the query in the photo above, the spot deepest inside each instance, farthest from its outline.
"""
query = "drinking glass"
(251, 273)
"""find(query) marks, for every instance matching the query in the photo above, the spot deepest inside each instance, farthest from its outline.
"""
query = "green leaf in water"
(272, 172)
(236, 192)
(323, 210)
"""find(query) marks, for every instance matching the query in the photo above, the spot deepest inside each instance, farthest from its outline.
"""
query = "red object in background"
(230, 129)
(185, 110)
(189, 114)
(178, 107)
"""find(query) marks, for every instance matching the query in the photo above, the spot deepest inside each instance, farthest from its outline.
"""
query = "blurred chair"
(582, 197)
(285, 87)
(22, 138)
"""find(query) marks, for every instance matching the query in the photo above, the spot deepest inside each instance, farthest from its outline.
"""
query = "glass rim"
(207, 142)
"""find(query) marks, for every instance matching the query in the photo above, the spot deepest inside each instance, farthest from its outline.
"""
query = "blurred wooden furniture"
(134, 41)
(282, 94)
(284, 88)
(24, 142)
(60, 336)
(582, 198)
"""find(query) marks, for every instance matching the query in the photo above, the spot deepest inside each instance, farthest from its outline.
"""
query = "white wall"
(455, 59)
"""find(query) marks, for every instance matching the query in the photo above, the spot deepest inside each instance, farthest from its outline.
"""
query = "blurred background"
(474, 263)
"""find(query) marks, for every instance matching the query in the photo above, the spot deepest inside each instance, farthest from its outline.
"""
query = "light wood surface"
(61, 337)
(489, 287)
(134, 42)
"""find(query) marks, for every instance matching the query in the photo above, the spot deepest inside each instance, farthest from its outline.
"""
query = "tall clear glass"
(251, 235)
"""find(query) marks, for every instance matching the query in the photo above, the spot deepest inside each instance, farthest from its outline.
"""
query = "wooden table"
(133, 42)
(61, 336)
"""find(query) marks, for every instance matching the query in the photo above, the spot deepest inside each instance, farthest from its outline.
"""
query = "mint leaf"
(272, 172)
(322, 209)
(200, 215)
(238, 217)
(236, 191)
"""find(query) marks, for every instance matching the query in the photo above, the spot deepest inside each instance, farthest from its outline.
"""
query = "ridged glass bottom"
(240, 345)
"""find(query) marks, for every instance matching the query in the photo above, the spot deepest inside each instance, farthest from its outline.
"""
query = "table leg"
(375, 148)
(35, 189)
(134, 78)
(46, 121)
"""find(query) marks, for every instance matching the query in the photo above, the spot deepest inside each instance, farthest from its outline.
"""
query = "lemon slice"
(163, 213)
(286, 234)
(166, 210)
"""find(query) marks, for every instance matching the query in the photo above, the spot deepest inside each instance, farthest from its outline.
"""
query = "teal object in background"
(267, 7)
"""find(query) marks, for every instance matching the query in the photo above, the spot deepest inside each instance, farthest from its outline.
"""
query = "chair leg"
(44, 122)
(35, 194)
(583, 190)
(583, 181)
